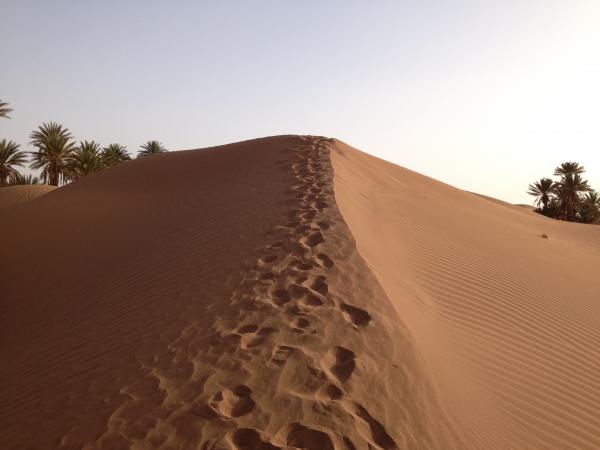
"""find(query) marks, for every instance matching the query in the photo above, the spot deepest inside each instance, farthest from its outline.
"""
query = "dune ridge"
(208, 299)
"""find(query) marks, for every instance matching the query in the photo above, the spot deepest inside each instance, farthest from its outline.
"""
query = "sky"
(487, 96)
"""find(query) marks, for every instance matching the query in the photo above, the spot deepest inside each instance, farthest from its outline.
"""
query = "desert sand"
(16, 195)
(293, 292)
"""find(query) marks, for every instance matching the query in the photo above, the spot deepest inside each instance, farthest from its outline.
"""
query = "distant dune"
(16, 195)
(503, 203)
(292, 292)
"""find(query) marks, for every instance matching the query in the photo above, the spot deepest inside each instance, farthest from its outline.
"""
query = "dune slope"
(508, 322)
(15, 195)
(208, 299)
(293, 292)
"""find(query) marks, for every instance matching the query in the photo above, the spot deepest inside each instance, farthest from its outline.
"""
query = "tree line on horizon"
(59, 158)
(569, 198)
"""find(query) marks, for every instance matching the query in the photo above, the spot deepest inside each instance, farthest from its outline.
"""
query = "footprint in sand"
(268, 259)
(251, 335)
(325, 260)
(309, 214)
(251, 439)
(379, 434)
(302, 325)
(301, 322)
(294, 226)
(356, 316)
(320, 285)
(297, 291)
(340, 362)
(280, 297)
(311, 301)
(267, 278)
(323, 225)
(234, 402)
(315, 239)
(280, 356)
(303, 437)
(320, 205)
(329, 392)
(303, 265)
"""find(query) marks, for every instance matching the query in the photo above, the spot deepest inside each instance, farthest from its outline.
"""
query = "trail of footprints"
(288, 288)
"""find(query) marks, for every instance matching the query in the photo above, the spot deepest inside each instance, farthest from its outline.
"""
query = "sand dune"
(16, 195)
(519, 206)
(292, 292)
(508, 322)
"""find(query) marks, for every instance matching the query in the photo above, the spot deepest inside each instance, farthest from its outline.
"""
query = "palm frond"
(542, 190)
(4, 109)
(54, 149)
(151, 148)
(18, 178)
(569, 168)
(86, 159)
(114, 154)
(10, 158)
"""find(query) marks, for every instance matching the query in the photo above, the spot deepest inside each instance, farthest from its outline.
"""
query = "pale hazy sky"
(484, 95)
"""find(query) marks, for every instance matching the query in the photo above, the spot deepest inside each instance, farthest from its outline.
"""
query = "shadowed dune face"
(508, 322)
(100, 278)
(206, 299)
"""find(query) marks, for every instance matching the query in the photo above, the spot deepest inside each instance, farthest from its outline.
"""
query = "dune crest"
(206, 299)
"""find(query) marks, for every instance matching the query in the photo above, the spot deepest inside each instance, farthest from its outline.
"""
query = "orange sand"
(16, 195)
(292, 292)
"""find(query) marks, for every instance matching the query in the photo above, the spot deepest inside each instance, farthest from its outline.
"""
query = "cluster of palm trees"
(59, 158)
(570, 198)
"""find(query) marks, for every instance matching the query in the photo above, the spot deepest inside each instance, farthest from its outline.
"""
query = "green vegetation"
(86, 159)
(114, 154)
(569, 198)
(55, 149)
(57, 156)
(4, 109)
(151, 148)
(10, 158)
(589, 210)
(22, 179)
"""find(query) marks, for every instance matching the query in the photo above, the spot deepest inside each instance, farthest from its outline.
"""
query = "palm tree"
(4, 109)
(589, 209)
(114, 154)
(18, 178)
(542, 190)
(86, 159)
(10, 157)
(568, 168)
(54, 151)
(569, 188)
(553, 208)
(151, 148)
